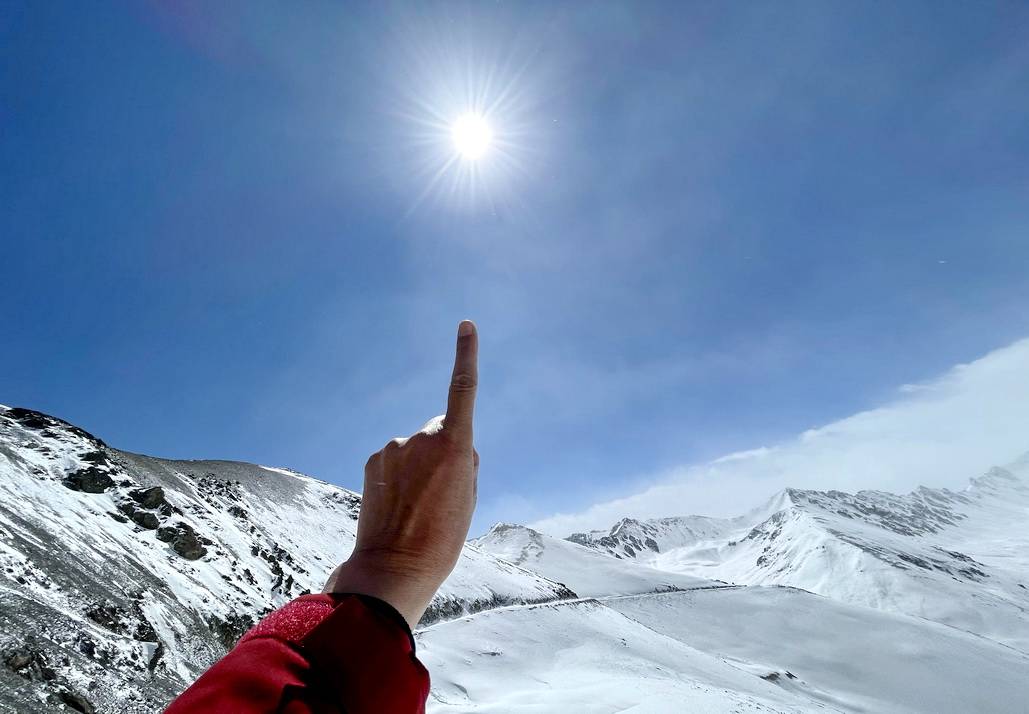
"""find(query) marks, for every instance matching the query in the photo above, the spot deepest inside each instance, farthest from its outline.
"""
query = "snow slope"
(586, 658)
(729, 649)
(853, 658)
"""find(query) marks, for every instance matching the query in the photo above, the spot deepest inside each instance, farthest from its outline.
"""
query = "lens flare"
(470, 111)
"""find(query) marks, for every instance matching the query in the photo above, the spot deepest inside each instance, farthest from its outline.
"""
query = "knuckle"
(419, 437)
(463, 382)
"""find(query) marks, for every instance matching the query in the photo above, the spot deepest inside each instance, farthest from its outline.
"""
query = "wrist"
(404, 590)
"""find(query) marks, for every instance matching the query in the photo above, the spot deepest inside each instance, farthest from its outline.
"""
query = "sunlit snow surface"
(726, 650)
(922, 603)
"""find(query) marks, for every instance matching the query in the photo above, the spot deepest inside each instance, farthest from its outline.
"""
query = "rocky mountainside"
(122, 577)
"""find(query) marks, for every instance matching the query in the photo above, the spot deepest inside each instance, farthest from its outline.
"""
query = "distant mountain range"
(959, 558)
(123, 576)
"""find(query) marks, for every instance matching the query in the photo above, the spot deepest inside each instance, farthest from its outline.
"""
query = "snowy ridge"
(587, 572)
(630, 538)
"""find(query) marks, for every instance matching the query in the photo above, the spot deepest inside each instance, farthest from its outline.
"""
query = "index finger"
(461, 399)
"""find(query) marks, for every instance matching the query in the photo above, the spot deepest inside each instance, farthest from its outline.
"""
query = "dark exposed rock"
(29, 663)
(97, 458)
(119, 620)
(628, 538)
(187, 545)
(167, 533)
(108, 615)
(148, 497)
(89, 480)
(32, 419)
(17, 660)
(184, 541)
(146, 520)
(350, 502)
(144, 631)
(75, 701)
(29, 418)
(86, 645)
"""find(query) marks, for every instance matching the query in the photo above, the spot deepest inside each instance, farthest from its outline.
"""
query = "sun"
(472, 136)
(470, 126)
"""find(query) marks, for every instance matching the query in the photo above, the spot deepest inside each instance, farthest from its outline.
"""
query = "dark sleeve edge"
(380, 607)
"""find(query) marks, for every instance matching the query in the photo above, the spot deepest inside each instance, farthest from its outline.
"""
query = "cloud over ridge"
(937, 433)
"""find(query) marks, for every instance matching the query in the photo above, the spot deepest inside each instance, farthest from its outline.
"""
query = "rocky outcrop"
(184, 540)
(89, 480)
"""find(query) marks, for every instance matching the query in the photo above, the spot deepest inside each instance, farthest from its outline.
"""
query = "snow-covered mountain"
(587, 572)
(958, 558)
(122, 576)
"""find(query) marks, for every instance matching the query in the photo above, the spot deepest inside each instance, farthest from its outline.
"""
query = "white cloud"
(938, 433)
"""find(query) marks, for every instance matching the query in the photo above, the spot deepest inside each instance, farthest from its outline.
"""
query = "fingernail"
(466, 328)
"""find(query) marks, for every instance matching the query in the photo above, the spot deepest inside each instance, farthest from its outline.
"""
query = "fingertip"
(466, 328)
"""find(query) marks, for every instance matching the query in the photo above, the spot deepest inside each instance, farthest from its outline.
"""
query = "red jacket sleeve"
(319, 654)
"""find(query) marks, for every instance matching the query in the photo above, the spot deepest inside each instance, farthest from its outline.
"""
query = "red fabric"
(319, 654)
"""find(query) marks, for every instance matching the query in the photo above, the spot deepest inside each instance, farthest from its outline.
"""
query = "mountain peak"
(996, 480)
(502, 527)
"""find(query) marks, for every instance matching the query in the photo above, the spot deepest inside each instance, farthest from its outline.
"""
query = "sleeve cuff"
(294, 620)
(382, 608)
(364, 652)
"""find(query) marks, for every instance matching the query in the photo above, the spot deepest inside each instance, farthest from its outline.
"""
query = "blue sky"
(711, 226)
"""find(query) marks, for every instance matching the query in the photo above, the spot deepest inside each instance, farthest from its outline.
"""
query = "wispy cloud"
(938, 433)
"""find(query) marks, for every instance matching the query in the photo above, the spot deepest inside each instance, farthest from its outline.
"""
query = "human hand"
(419, 495)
